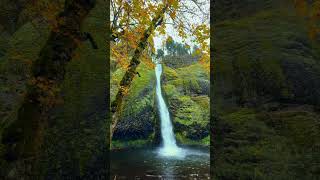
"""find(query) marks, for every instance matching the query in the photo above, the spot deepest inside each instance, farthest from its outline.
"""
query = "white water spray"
(170, 147)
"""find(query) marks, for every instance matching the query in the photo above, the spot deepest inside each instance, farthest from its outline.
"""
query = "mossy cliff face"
(138, 122)
(266, 56)
(186, 89)
(266, 77)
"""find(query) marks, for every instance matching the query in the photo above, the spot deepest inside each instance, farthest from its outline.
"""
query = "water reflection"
(148, 164)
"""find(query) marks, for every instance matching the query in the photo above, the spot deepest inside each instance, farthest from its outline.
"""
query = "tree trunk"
(24, 137)
(125, 83)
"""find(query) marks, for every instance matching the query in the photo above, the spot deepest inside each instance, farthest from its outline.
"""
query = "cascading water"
(169, 147)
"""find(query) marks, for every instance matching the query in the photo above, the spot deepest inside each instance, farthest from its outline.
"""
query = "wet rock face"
(137, 126)
(197, 132)
(194, 131)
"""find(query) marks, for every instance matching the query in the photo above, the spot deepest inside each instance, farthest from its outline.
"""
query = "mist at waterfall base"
(169, 144)
(169, 161)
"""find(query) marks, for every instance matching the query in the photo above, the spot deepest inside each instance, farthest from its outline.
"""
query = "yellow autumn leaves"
(134, 17)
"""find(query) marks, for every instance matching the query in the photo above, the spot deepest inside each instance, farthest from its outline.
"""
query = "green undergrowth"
(182, 139)
(118, 144)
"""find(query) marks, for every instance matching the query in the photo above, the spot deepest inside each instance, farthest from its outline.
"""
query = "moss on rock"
(137, 124)
(266, 92)
(188, 102)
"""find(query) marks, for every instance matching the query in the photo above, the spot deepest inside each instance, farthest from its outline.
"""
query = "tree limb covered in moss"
(24, 137)
(126, 81)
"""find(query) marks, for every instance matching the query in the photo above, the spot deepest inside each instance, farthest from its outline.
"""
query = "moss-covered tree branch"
(126, 81)
(24, 137)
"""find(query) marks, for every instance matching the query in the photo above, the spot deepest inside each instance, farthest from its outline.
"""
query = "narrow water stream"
(167, 162)
(169, 145)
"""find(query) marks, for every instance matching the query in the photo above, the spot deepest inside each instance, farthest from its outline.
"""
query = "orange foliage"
(129, 19)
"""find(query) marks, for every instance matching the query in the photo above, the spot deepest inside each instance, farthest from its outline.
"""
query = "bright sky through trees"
(200, 14)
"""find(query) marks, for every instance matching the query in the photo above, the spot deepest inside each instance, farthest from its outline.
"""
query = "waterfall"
(169, 147)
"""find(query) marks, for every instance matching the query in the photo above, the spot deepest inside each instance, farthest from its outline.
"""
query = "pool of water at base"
(148, 164)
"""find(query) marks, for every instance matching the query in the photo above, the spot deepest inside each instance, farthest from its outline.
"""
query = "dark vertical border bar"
(212, 6)
(108, 115)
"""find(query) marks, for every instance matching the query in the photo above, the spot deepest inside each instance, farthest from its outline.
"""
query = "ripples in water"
(149, 164)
